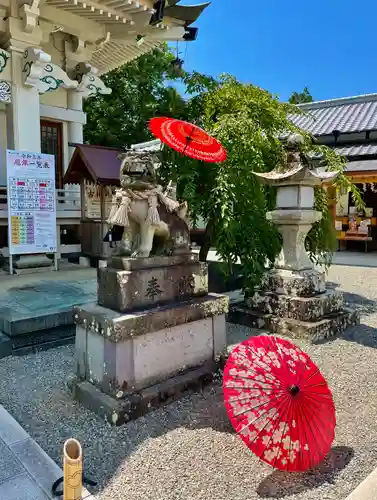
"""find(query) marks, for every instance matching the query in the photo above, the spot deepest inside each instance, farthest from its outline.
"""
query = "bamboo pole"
(72, 468)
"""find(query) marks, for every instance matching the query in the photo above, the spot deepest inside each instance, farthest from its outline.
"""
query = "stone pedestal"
(154, 333)
(295, 304)
(30, 263)
(293, 300)
(127, 284)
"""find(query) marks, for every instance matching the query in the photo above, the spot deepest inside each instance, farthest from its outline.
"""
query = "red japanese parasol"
(279, 403)
(188, 139)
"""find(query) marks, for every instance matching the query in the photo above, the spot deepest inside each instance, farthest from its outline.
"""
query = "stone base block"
(329, 326)
(295, 283)
(118, 411)
(299, 308)
(129, 284)
(84, 261)
(36, 341)
(139, 263)
(5, 345)
(30, 261)
(29, 270)
(121, 353)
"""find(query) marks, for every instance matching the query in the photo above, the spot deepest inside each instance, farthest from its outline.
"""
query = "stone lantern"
(294, 214)
(293, 299)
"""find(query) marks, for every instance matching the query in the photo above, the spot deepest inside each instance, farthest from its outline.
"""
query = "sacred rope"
(121, 205)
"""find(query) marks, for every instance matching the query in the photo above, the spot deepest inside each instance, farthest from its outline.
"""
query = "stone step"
(367, 489)
(38, 315)
(28, 473)
(36, 341)
(327, 327)
(299, 308)
(134, 405)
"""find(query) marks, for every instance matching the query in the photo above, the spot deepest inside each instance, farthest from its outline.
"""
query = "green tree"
(248, 121)
(301, 97)
(139, 92)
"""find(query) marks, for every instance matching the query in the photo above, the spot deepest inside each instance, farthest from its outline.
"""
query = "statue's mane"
(131, 157)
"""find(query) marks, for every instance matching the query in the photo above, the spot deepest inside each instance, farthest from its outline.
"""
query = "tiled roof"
(96, 163)
(152, 146)
(351, 114)
(361, 166)
(359, 150)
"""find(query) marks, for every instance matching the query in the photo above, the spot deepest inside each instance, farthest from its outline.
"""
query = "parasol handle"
(294, 390)
(188, 140)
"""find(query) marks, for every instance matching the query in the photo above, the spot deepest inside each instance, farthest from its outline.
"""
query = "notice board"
(31, 203)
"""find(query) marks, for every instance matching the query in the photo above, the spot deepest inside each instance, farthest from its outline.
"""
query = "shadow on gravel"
(366, 306)
(280, 484)
(361, 334)
(210, 411)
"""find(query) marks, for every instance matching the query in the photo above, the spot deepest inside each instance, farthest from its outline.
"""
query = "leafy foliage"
(248, 121)
(301, 97)
(139, 92)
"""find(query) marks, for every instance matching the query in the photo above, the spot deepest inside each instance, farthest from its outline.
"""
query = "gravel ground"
(188, 450)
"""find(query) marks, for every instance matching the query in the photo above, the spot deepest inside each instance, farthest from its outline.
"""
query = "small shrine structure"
(96, 170)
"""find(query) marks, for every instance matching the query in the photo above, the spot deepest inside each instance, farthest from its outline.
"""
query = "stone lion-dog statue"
(147, 220)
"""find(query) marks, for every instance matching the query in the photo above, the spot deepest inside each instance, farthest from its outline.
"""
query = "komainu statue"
(147, 220)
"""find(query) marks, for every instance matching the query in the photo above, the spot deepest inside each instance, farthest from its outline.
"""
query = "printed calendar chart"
(31, 202)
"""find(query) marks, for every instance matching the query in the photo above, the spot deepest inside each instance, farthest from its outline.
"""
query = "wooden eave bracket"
(89, 84)
(38, 71)
(29, 13)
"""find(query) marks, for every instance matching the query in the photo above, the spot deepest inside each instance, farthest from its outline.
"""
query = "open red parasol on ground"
(188, 139)
(279, 403)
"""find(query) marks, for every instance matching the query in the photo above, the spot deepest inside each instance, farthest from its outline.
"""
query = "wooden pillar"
(103, 226)
(83, 199)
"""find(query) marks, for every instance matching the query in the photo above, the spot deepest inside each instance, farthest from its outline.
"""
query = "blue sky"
(284, 45)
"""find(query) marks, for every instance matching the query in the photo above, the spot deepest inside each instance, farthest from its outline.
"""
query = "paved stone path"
(26, 471)
(37, 298)
(36, 309)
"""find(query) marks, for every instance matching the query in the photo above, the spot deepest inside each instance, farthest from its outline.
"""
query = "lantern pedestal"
(293, 300)
(315, 316)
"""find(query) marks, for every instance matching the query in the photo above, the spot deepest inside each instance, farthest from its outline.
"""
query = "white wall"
(3, 146)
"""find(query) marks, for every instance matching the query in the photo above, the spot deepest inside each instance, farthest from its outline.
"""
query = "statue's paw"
(135, 254)
(121, 251)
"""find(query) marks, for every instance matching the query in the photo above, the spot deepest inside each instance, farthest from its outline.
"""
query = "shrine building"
(349, 125)
(53, 54)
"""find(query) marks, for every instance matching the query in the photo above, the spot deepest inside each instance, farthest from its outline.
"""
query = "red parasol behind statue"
(188, 139)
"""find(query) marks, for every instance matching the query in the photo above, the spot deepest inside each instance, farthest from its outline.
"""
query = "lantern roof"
(298, 170)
